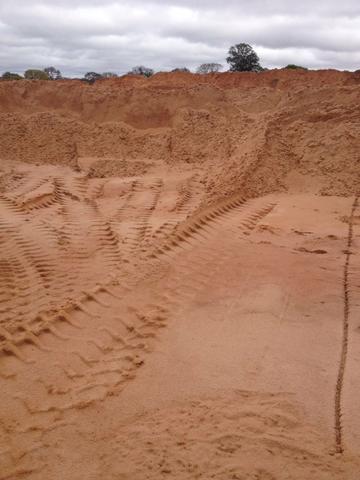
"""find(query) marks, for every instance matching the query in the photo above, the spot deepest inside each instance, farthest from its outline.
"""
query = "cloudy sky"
(112, 35)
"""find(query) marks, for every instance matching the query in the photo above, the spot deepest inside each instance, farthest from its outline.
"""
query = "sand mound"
(248, 131)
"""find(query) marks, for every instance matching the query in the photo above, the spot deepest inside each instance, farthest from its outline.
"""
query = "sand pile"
(247, 130)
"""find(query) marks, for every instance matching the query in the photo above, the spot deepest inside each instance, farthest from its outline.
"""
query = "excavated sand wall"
(247, 131)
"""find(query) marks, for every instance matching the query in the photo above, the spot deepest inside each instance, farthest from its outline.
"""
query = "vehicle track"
(131, 221)
(143, 226)
(188, 201)
(65, 343)
(35, 251)
(96, 344)
(78, 357)
(195, 233)
(214, 243)
(200, 226)
(339, 443)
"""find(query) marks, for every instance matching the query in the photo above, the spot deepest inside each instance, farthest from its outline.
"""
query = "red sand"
(179, 277)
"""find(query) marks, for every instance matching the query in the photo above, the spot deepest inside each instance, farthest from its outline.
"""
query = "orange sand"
(180, 277)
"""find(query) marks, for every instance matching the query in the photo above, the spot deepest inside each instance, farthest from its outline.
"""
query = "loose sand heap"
(180, 277)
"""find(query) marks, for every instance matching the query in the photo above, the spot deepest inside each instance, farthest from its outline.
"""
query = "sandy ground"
(150, 328)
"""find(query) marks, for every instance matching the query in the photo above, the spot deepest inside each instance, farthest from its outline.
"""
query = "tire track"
(214, 243)
(339, 443)
(92, 348)
(50, 260)
(188, 193)
(189, 199)
(31, 185)
(144, 226)
(43, 197)
(29, 264)
(133, 219)
(78, 356)
(199, 227)
(251, 214)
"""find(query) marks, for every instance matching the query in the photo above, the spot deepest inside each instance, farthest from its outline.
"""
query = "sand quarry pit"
(180, 277)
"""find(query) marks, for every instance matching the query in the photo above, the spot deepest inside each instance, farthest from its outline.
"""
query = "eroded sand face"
(150, 329)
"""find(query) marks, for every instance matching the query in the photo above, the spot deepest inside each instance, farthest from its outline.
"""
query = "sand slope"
(259, 127)
(179, 277)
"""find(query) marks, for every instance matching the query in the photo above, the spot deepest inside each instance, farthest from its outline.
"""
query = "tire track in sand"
(339, 444)
(132, 221)
(190, 254)
(95, 346)
(188, 200)
(76, 357)
(44, 264)
(200, 226)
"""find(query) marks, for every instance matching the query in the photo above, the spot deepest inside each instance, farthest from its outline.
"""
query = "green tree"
(209, 68)
(242, 58)
(34, 74)
(292, 66)
(11, 76)
(91, 77)
(141, 70)
(53, 73)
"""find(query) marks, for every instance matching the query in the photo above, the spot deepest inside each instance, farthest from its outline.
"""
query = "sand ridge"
(259, 127)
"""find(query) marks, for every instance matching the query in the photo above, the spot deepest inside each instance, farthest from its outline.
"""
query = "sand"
(180, 277)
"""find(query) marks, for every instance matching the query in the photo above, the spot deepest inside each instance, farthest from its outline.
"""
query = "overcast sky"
(111, 35)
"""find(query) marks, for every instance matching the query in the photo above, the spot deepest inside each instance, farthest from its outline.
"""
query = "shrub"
(34, 74)
(141, 70)
(209, 68)
(181, 69)
(11, 76)
(292, 66)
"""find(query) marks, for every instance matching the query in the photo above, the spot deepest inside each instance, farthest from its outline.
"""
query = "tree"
(209, 68)
(141, 70)
(53, 73)
(242, 58)
(91, 77)
(11, 76)
(292, 66)
(181, 69)
(109, 75)
(34, 74)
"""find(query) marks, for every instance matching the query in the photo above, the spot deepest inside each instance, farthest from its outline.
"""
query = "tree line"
(241, 58)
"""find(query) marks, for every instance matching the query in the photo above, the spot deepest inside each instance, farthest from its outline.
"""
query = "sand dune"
(179, 277)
